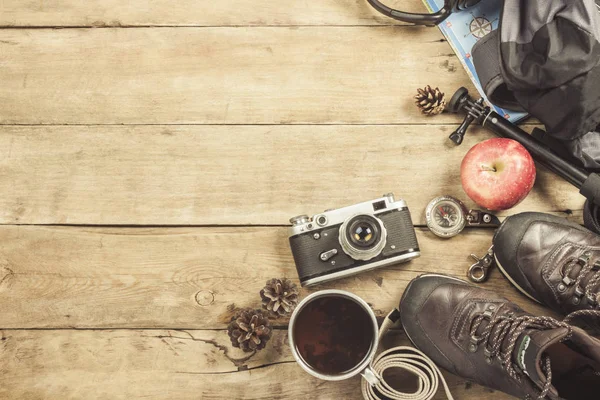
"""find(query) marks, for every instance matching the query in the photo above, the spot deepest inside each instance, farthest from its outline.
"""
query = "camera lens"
(362, 237)
(363, 234)
(363, 231)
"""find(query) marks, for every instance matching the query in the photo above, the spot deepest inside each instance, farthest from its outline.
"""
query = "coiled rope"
(405, 358)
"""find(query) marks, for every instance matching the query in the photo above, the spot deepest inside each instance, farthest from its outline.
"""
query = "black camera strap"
(412, 18)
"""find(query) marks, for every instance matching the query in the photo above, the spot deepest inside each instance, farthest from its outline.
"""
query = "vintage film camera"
(349, 240)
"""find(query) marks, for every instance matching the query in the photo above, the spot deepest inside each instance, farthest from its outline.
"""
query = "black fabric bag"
(545, 59)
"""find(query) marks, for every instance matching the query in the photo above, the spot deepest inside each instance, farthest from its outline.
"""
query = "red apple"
(498, 173)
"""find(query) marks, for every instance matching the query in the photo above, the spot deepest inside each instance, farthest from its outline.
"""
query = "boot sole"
(507, 276)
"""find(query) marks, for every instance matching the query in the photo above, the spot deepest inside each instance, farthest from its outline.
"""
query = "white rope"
(410, 360)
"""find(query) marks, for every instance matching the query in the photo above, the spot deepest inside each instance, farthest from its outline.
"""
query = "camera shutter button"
(299, 220)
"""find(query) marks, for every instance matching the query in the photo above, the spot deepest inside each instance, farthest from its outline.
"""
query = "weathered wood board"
(229, 75)
(101, 13)
(192, 278)
(168, 364)
(234, 175)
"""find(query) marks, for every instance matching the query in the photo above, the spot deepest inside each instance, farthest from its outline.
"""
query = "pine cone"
(430, 101)
(249, 330)
(279, 297)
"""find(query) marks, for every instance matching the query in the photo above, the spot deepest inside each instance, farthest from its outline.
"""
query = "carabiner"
(480, 271)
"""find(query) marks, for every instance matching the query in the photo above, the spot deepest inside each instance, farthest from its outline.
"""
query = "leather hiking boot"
(551, 260)
(484, 338)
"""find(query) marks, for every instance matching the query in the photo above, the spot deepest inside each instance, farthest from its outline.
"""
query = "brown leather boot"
(482, 337)
(551, 260)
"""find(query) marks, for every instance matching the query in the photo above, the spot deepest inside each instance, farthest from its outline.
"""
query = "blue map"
(463, 29)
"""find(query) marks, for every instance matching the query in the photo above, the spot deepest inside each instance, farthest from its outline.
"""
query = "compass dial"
(446, 216)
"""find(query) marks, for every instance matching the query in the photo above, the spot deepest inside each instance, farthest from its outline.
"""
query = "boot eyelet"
(567, 281)
(562, 287)
(474, 345)
(584, 258)
(576, 300)
(489, 360)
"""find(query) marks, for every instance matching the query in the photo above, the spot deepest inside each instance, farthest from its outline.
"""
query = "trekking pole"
(476, 111)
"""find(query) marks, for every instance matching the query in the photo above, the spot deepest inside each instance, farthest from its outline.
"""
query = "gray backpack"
(545, 59)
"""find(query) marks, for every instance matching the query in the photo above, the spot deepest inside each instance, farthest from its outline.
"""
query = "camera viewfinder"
(380, 205)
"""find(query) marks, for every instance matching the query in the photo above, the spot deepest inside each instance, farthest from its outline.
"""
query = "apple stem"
(486, 168)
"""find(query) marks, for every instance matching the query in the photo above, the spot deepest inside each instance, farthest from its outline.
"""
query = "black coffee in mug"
(333, 334)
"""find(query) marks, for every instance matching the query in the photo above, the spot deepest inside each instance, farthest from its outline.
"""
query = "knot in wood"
(205, 298)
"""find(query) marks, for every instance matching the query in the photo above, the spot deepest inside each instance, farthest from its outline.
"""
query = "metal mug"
(363, 368)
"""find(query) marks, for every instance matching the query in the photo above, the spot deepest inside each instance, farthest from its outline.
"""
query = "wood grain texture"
(193, 278)
(123, 312)
(99, 13)
(184, 175)
(315, 75)
(170, 364)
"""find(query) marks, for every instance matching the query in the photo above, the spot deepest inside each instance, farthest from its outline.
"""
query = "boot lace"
(507, 328)
(591, 289)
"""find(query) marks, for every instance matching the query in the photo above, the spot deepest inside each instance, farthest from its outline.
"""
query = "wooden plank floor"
(151, 154)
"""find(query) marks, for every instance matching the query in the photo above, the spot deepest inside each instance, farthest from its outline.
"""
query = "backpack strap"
(487, 62)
